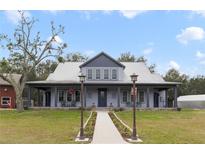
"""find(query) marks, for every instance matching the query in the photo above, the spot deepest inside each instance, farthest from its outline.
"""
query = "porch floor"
(105, 131)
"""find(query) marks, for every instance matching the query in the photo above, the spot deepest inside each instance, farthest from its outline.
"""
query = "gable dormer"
(102, 60)
(102, 67)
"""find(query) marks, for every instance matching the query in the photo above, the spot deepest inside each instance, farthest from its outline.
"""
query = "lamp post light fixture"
(134, 131)
(82, 79)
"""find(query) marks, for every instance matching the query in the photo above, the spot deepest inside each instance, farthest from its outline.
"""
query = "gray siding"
(92, 97)
(102, 61)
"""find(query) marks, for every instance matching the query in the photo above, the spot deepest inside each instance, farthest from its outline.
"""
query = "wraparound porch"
(148, 96)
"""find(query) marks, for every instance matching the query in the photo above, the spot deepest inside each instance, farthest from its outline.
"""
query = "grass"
(186, 126)
(40, 126)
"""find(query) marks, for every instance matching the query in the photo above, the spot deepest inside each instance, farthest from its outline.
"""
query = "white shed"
(191, 101)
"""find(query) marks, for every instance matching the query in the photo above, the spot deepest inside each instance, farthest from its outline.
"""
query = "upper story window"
(89, 74)
(102, 73)
(106, 74)
(114, 74)
(97, 74)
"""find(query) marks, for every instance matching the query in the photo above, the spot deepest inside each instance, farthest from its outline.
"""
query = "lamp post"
(134, 131)
(82, 79)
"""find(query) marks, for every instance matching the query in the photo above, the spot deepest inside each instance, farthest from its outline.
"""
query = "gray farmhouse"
(107, 83)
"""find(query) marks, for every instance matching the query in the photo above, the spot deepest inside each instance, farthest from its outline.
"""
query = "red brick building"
(7, 93)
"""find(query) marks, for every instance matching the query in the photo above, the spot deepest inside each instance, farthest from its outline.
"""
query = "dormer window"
(89, 74)
(106, 74)
(102, 73)
(114, 74)
(97, 74)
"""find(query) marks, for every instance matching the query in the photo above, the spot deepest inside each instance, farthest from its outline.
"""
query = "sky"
(169, 39)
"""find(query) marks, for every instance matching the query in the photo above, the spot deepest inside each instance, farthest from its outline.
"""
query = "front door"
(102, 97)
(156, 99)
(48, 98)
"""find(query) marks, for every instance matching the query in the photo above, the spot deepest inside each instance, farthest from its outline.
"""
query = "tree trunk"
(19, 103)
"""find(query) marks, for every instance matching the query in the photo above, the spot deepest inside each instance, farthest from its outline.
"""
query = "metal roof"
(67, 73)
(191, 98)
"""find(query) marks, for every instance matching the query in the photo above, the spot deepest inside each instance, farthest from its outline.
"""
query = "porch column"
(166, 99)
(29, 93)
(147, 97)
(56, 96)
(38, 95)
(118, 96)
(175, 97)
(85, 90)
(29, 97)
(44, 98)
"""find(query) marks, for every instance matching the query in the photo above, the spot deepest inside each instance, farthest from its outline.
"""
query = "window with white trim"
(61, 95)
(69, 97)
(124, 96)
(89, 75)
(5, 100)
(97, 74)
(141, 96)
(106, 74)
(77, 96)
(114, 74)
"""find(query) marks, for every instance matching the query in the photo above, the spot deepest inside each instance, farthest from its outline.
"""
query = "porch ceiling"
(46, 84)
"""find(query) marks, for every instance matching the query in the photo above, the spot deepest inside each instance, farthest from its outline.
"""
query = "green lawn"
(40, 126)
(187, 126)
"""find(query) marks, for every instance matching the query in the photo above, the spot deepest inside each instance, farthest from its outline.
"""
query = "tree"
(45, 68)
(128, 57)
(27, 50)
(76, 57)
(174, 76)
(196, 85)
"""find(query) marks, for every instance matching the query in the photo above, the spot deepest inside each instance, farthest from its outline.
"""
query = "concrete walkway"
(105, 131)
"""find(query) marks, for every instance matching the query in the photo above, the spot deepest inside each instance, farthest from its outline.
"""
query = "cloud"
(147, 51)
(131, 14)
(54, 12)
(199, 12)
(200, 55)
(107, 12)
(14, 16)
(191, 33)
(57, 40)
(202, 62)
(173, 64)
(86, 14)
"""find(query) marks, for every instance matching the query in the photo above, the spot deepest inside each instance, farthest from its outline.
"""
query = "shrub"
(118, 109)
(89, 129)
(124, 131)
